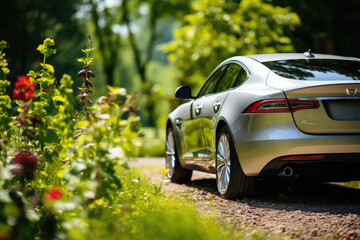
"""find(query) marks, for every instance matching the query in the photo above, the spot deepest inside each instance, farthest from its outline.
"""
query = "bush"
(56, 161)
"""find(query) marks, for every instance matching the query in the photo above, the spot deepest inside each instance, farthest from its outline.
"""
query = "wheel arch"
(169, 124)
(221, 123)
(177, 139)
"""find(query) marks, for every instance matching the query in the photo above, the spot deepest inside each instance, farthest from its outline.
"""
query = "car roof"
(287, 56)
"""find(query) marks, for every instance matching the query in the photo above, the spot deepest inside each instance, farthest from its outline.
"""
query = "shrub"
(57, 161)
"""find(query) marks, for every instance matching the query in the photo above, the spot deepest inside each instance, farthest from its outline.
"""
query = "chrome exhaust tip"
(287, 172)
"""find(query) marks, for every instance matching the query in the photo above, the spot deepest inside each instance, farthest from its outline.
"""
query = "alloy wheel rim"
(170, 154)
(223, 164)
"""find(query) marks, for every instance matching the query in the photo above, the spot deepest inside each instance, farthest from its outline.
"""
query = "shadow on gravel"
(294, 196)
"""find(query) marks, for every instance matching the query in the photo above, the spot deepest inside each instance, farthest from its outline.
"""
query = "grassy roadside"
(142, 211)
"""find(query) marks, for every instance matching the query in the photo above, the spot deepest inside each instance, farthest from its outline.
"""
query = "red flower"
(53, 194)
(28, 163)
(24, 89)
(24, 158)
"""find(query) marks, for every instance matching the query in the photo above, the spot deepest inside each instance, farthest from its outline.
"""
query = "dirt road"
(296, 211)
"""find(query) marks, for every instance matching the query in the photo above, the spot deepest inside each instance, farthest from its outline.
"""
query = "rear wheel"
(176, 173)
(231, 181)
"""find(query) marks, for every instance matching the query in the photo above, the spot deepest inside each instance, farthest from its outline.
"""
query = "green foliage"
(27, 23)
(46, 49)
(330, 32)
(153, 145)
(217, 30)
(54, 164)
(5, 105)
(354, 184)
(142, 212)
(85, 76)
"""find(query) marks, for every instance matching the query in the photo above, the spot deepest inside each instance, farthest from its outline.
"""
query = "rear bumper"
(263, 138)
(333, 167)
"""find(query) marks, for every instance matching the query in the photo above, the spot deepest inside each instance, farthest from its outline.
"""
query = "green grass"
(354, 184)
(139, 211)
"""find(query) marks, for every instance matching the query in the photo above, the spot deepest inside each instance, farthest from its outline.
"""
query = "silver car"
(291, 115)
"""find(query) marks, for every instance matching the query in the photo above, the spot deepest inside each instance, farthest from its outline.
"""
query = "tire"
(177, 173)
(231, 181)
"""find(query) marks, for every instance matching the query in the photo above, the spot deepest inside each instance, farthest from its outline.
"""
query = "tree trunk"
(142, 66)
(108, 46)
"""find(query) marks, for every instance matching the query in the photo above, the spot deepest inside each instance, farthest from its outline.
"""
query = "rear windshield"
(316, 69)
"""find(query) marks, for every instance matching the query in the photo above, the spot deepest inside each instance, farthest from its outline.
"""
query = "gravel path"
(296, 211)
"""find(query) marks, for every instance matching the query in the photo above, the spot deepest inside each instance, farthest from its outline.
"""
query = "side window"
(241, 78)
(230, 78)
(210, 84)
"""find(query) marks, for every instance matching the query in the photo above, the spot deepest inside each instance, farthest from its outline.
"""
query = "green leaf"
(51, 136)
(37, 93)
(81, 124)
(33, 74)
(51, 109)
(82, 60)
(48, 67)
(87, 50)
(46, 51)
(48, 156)
(58, 98)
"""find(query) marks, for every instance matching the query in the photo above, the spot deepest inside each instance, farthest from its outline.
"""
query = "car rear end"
(317, 131)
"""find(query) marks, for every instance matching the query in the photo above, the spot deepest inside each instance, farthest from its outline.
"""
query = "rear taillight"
(268, 106)
(280, 105)
(303, 104)
(303, 158)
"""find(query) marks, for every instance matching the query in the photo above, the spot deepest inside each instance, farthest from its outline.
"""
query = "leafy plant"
(53, 174)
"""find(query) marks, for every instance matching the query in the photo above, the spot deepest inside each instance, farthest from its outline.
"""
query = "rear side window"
(316, 69)
(241, 78)
(230, 77)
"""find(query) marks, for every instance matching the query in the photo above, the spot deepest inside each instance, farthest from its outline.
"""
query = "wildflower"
(28, 163)
(164, 171)
(53, 194)
(24, 159)
(49, 42)
(24, 89)
(86, 73)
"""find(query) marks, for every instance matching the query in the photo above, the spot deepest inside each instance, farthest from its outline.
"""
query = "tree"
(217, 30)
(108, 42)
(157, 9)
(128, 14)
(24, 24)
(328, 26)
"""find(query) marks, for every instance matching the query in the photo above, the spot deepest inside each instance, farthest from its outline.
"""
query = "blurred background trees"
(327, 26)
(24, 24)
(153, 46)
(216, 30)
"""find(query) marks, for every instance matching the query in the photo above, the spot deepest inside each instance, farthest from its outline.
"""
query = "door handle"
(198, 110)
(216, 106)
(178, 121)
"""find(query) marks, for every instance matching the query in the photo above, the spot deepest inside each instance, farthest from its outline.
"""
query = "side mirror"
(183, 92)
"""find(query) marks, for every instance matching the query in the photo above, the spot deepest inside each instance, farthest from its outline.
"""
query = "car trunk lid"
(337, 110)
